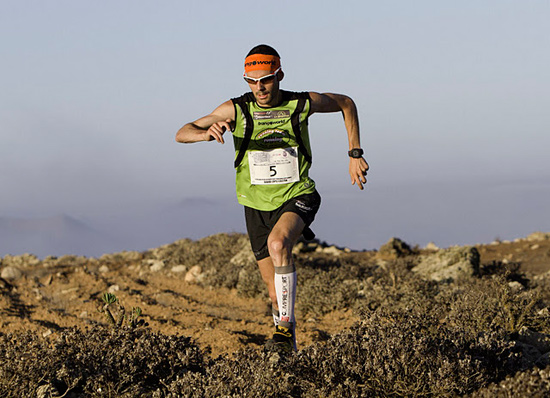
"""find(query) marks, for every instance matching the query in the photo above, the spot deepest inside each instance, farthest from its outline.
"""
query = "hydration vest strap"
(295, 120)
(249, 128)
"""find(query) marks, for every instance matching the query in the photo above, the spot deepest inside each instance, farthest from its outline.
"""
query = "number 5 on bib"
(275, 166)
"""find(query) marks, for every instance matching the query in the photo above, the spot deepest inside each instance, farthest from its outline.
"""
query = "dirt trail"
(48, 297)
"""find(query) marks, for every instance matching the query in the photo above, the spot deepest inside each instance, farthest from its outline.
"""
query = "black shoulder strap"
(248, 128)
(295, 120)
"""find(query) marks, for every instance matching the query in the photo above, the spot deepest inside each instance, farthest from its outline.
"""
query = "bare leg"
(268, 275)
(283, 237)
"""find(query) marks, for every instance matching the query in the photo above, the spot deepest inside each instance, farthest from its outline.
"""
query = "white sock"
(285, 287)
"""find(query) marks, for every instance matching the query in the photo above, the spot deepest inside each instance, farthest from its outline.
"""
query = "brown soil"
(48, 298)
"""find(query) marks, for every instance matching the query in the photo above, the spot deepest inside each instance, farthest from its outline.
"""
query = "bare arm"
(328, 102)
(210, 127)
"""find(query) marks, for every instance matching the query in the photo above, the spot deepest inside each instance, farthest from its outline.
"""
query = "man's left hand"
(358, 168)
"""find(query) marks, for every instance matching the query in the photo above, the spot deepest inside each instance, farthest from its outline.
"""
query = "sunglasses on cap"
(267, 79)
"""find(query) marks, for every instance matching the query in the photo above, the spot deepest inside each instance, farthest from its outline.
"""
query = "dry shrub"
(401, 353)
(327, 283)
(421, 339)
(510, 270)
(343, 283)
(250, 283)
(212, 254)
(389, 354)
(416, 338)
(476, 305)
(394, 286)
(392, 352)
(320, 291)
(541, 284)
(533, 383)
(94, 363)
(249, 373)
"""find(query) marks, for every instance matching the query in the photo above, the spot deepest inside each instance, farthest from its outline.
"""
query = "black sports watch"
(355, 153)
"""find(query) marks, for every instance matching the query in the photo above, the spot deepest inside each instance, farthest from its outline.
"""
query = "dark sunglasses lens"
(249, 80)
(267, 79)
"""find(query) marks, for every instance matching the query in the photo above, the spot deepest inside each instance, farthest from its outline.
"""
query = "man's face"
(265, 92)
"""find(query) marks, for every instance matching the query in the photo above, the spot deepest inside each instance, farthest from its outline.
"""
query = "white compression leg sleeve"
(285, 287)
(275, 316)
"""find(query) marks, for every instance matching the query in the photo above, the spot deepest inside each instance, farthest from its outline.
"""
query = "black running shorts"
(260, 223)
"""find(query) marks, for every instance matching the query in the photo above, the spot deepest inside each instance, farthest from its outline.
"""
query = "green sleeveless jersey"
(272, 150)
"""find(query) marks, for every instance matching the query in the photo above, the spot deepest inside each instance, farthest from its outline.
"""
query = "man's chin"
(264, 100)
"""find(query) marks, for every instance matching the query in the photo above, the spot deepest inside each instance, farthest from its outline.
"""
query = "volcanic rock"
(11, 273)
(395, 247)
(449, 264)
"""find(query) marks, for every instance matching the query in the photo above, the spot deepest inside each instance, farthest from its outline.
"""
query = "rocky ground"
(47, 296)
(210, 291)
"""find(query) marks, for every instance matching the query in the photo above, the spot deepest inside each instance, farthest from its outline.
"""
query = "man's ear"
(280, 75)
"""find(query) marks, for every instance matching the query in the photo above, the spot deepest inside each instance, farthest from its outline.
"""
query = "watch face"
(356, 153)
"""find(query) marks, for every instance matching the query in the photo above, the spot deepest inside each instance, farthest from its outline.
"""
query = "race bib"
(275, 166)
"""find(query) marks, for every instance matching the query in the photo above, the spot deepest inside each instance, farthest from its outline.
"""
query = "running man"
(272, 161)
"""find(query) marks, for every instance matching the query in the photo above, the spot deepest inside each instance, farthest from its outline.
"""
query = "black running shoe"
(282, 340)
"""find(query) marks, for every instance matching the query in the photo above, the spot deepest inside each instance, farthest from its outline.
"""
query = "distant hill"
(57, 235)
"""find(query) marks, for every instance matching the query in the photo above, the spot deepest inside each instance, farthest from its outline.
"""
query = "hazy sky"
(453, 99)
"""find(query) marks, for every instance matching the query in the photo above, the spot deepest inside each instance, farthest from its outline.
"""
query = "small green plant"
(109, 300)
(136, 313)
